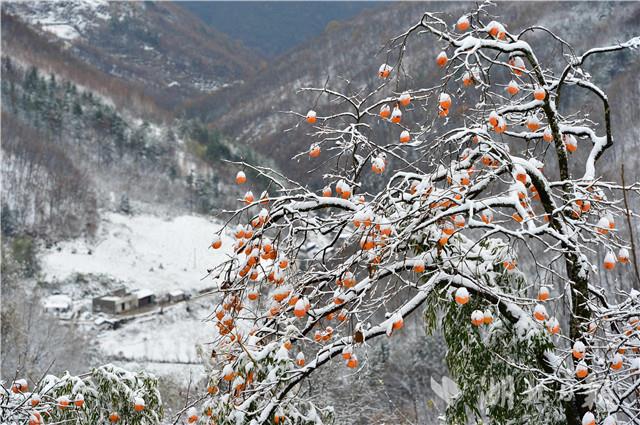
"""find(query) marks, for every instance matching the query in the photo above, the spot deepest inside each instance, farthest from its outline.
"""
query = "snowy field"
(143, 251)
(168, 337)
(149, 252)
(153, 253)
(165, 344)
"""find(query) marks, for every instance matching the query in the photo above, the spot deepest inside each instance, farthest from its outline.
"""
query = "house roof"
(144, 293)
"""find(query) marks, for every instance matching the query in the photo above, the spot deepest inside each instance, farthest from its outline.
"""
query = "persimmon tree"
(107, 394)
(479, 212)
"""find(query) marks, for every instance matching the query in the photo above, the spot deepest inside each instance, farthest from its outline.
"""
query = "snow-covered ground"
(143, 251)
(65, 19)
(148, 252)
(163, 344)
(169, 337)
(154, 253)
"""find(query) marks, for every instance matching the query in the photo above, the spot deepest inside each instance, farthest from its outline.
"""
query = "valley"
(123, 127)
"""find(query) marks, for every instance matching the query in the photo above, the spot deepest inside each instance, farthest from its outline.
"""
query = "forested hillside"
(110, 81)
(255, 112)
(159, 48)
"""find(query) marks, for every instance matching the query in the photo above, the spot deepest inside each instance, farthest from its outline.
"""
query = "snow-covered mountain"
(157, 46)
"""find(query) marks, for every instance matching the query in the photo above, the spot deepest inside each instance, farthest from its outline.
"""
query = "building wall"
(106, 306)
(119, 305)
(146, 300)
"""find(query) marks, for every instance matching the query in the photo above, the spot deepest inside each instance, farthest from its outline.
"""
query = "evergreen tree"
(8, 221)
(124, 206)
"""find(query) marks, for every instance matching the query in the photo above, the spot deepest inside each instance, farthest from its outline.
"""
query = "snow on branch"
(458, 198)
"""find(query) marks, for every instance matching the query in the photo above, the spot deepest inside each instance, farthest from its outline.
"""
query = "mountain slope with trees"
(255, 113)
(158, 47)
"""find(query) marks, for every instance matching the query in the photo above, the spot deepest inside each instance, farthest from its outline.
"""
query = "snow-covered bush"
(107, 394)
